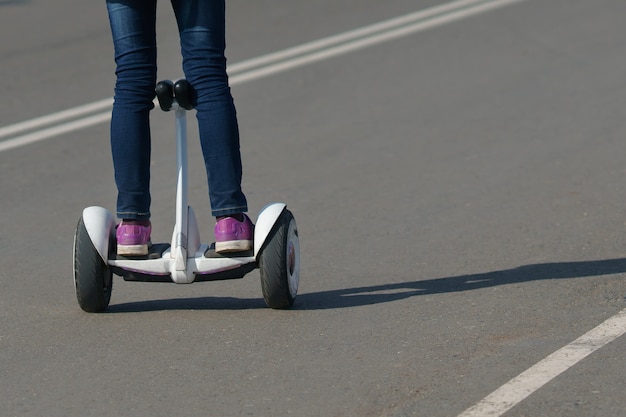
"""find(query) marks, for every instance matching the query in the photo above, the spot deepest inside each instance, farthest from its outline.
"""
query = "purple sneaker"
(133, 239)
(232, 235)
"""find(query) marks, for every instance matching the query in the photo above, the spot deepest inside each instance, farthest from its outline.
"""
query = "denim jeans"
(201, 29)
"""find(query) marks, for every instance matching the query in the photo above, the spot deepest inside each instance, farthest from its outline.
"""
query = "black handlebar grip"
(185, 94)
(165, 93)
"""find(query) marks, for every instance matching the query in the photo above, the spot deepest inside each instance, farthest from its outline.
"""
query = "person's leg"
(201, 24)
(134, 40)
(133, 29)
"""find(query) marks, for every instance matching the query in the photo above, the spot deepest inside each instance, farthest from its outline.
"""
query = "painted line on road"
(367, 36)
(456, 7)
(55, 124)
(56, 130)
(529, 381)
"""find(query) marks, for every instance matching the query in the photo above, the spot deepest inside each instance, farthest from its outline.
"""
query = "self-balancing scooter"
(276, 250)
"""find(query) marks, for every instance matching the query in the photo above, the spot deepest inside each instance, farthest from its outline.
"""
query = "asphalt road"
(459, 190)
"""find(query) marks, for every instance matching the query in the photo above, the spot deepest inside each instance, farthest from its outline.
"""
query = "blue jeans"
(201, 28)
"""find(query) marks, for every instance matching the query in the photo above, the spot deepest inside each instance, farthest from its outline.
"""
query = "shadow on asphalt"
(384, 293)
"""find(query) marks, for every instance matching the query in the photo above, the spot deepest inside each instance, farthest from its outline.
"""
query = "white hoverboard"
(276, 250)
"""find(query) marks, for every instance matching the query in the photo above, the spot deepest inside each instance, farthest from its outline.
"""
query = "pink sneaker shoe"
(232, 235)
(133, 239)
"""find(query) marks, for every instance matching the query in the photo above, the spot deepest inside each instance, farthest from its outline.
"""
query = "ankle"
(239, 217)
(137, 222)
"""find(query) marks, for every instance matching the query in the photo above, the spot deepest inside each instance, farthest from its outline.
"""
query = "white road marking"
(56, 130)
(364, 37)
(99, 112)
(529, 381)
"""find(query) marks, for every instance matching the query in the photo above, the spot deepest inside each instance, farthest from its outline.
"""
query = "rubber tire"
(93, 280)
(276, 267)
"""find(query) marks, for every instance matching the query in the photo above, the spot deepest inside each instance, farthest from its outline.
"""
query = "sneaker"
(133, 239)
(231, 235)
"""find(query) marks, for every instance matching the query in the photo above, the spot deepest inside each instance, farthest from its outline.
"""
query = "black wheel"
(279, 263)
(93, 279)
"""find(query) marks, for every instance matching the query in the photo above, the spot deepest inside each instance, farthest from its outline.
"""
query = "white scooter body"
(182, 263)
(185, 259)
